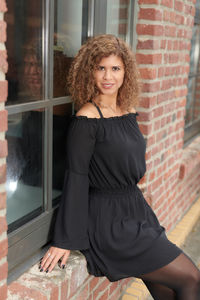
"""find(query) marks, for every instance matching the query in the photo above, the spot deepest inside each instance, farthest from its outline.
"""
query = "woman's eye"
(100, 68)
(116, 68)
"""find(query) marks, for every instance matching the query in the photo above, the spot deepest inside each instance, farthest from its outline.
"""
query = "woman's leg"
(181, 275)
(159, 291)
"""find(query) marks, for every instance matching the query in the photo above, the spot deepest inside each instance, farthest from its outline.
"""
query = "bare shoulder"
(132, 110)
(88, 110)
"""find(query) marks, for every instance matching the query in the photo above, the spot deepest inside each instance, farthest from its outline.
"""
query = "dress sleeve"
(71, 226)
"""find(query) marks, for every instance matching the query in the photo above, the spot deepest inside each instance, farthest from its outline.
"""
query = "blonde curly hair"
(81, 81)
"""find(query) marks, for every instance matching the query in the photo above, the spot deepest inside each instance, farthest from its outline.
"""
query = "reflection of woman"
(103, 212)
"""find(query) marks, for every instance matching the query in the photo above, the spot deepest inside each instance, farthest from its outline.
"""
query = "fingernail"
(47, 271)
(41, 270)
(63, 266)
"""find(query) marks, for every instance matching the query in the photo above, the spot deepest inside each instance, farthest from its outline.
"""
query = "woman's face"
(109, 75)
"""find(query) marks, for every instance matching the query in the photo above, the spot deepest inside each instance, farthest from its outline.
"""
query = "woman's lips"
(107, 85)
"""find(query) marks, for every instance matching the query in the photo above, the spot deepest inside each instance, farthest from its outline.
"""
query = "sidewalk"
(186, 235)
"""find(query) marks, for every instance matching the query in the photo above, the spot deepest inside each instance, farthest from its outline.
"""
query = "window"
(192, 117)
(118, 18)
(43, 37)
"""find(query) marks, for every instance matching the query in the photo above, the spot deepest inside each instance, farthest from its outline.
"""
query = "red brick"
(168, 3)
(3, 7)
(93, 283)
(24, 292)
(189, 10)
(116, 294)
(3, 292)
(3, 271)
(104, 296)
(124, 1)
(123, 13)
(2, 31)
(113, 287)
(3, 90)
(148, 2)
(148, 73)
(3, 120)
(163, 44)
(166, 84)
(166, 15)
(2, 200)
(3, 61)
(145, 129)
(148, 58)
(148, 44)
(2, 174)
(76, 281)
(150, 14)
(170, 31)
(3, 149)
(178, 5)
(151, 87)
(3, 248)
(3, 225)
(149, 29)
(148, 101)
(64, 289)
(101, 288)
(157, 112)
(83, 294)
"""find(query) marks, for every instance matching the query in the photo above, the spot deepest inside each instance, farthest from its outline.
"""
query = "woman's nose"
(107, 74)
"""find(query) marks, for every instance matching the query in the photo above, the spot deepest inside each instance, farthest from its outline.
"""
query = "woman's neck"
(105, 100)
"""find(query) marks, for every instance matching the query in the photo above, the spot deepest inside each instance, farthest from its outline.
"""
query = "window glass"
(24, 47)
(118, 18)
(193, 97)
(61, 117)
(24, 168)
(69, 32)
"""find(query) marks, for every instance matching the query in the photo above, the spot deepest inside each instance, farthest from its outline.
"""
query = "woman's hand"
(51, 257)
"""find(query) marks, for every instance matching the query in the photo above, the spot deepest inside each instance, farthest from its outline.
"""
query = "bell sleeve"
(71, 226)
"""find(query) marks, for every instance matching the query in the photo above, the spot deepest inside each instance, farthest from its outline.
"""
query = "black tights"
(179, 280)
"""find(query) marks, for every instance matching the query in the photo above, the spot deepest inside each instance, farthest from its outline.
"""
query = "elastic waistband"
(116, 191)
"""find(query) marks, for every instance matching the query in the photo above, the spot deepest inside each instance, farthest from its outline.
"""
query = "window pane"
(118, 18)
(190, 97)
(24, 46)
(69, 32)
(24, 168)
(61, 116)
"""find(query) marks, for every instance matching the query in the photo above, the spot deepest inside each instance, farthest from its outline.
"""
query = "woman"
(103, 212)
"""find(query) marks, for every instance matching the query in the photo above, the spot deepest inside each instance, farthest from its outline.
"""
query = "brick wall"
(3, 154)
(164, 32)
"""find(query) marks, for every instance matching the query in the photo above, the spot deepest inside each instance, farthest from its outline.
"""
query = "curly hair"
(81, 81)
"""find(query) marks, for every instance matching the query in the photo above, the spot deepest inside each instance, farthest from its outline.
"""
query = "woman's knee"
(193, 280)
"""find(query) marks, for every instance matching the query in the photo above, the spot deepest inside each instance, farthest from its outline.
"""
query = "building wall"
(171, 182)
(163, 53)
(3, 154)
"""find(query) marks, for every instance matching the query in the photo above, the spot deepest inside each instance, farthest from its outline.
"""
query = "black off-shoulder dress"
(103, 212)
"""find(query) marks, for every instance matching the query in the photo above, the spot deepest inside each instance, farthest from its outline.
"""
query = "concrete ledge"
(137, 290)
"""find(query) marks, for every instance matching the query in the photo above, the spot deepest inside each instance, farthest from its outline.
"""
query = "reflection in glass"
(118, 18)
(69, 33)
(24, 47)
(24, 168)
(61, 117)
(193, 97)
